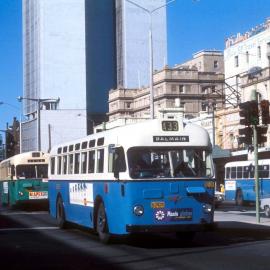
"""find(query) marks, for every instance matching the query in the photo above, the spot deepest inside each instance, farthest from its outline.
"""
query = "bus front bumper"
(170, 228)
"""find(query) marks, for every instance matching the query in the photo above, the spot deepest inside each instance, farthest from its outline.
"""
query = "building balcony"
(250, 79)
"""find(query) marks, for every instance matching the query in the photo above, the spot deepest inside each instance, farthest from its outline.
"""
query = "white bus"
(155, 175)
(24, 178)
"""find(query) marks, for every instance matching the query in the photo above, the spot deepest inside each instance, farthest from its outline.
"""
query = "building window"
(128, 105)
(204, 106)
(247, 57)
(215, 64)
(173, 88)
(259, 52)
(181, 89)
(48, 106)
(236, 61)
(268, 49)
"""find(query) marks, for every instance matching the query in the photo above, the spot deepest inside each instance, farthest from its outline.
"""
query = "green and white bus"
(24, 179)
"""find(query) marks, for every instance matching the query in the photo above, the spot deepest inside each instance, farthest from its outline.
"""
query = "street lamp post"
(150, 12)
(39, 102)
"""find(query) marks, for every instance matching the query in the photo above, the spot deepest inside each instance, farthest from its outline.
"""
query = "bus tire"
(267, 211)
(102, 224)
(239, 198)
(60, 214)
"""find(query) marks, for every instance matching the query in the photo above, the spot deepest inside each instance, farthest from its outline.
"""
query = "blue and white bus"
(152, 176)
(240, 183)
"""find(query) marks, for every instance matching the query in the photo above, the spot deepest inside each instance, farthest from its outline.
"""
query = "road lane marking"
(28, 229)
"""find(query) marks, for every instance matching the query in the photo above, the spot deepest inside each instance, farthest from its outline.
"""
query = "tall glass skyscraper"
(132, 36)
(77, 50)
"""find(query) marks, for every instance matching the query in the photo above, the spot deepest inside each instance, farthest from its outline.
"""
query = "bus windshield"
(32, 171)
(169, 162)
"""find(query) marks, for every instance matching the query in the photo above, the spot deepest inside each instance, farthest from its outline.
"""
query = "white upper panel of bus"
(142, 134)
(24, 158)
(246, 163)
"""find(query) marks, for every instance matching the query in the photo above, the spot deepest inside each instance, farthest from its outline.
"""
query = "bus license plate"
(176, 214)
(38, 195)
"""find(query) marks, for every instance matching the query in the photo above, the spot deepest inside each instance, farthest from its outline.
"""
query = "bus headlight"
(207, 208)
(138, 210)
(20, 193)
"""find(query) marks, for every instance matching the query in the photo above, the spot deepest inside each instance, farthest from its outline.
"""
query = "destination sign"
(169, 125)
(170, 138)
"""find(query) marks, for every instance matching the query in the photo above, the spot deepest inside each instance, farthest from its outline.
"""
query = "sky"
(193, 25)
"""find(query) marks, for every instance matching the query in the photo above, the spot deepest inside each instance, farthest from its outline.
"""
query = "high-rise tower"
(77, 50)
(132, 39)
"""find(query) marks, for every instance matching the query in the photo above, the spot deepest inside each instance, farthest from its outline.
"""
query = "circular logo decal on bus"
(160, 215)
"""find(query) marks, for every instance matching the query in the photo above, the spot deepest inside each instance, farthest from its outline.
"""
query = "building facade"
(247, 62)
(69, 47)
(132, 39)
(242, 53)
(173, 87)
(206, 61)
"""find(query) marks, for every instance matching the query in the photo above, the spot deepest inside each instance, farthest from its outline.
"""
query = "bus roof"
(246, 163)
(149, 133)
(23, 158)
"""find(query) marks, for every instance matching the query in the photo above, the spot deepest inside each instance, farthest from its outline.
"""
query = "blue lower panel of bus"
(247, 189)
(165, 204)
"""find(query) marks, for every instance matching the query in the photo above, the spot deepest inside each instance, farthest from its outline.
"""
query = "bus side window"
(77, 163)
(228, 172)
(233, 172)
(239, 172)
(52, 165)
(12, 172)
(119, 163)
(246, 172)
(100, 160)
(91, 161)
(83, 162)
(263, 171)
(65, 164)
(59, 165)
(70, 164)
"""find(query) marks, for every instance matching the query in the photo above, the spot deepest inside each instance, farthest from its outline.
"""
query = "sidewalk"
(230, 215)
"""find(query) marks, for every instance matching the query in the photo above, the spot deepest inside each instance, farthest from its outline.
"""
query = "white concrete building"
(243, 52)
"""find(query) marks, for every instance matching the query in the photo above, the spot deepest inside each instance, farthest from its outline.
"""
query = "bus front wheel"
(239, 198)
(102, 224)
(60, 214)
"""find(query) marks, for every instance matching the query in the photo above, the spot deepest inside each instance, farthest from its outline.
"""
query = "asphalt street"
(31, 240)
